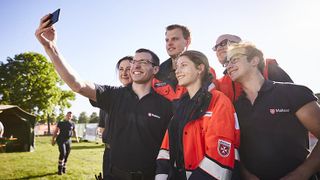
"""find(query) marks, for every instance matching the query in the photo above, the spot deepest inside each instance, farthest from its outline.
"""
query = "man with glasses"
(274, 120)
(138, 116)
(272, 70)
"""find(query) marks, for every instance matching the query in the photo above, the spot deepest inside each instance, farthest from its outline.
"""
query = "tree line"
(29, 81)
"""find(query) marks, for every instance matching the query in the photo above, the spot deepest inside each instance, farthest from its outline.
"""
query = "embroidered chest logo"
(160, 84)
(153, 115)
(224, 148)
(280, 110)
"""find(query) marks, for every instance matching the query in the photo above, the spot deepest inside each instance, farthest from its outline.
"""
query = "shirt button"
(185, 132)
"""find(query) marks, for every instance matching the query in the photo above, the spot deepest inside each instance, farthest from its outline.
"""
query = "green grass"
(85, 160)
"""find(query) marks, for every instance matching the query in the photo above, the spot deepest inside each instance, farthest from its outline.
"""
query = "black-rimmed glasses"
(234, 59)
(142, 62)
(222, 44)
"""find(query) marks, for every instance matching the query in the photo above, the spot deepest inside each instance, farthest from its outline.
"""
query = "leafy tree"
(83, 118)
(75, 118)
(94, 118)
(30, 81)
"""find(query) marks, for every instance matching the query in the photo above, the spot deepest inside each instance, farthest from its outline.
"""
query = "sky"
(93, 35)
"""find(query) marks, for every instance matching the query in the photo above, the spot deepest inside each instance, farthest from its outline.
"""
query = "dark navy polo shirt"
(273, 141)
(104, 123)
(66, 128)
(137, 127)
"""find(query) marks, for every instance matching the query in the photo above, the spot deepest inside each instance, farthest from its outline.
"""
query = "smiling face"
(124, 72)
(175, 42)
(187, 73)
(142, 70)
(237, 64)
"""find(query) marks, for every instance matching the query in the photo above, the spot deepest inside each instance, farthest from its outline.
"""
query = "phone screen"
(54, 16)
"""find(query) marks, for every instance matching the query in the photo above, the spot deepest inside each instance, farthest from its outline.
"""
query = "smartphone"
(54, 17)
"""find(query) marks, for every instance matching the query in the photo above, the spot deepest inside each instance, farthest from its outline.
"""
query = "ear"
(201, 68)
(188, 43)
(155, 69)
(255, 61)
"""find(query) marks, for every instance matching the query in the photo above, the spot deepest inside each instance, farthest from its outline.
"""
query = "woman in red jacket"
(202, 136)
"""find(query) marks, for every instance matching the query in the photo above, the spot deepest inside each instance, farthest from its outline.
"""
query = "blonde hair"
(251, 51)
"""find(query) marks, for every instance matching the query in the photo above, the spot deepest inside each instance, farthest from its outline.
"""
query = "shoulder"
(165, 67)
(289, 88)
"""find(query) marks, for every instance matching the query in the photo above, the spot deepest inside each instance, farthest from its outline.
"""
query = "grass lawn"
(84, 161)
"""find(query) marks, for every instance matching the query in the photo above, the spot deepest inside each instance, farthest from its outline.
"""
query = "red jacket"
(166, 84)
(208, 142)
(233, 90)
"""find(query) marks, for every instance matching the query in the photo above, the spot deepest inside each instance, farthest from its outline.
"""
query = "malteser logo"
(274, 111)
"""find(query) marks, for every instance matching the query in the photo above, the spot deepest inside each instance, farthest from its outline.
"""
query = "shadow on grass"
(87, 147)
(37, 176)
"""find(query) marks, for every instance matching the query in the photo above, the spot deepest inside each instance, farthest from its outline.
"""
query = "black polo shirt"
(273, 141)
(137, 126)
(65, 131)
(104, 123)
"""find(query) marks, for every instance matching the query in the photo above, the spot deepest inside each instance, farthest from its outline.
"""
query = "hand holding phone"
(54, 17)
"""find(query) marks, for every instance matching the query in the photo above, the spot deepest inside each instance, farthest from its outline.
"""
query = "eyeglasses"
(234, 59)
(142, 62)
(222, 44)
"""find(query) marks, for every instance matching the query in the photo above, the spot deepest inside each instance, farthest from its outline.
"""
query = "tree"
(74, 118)
(30, 81)
(94, 118)
(83, 118)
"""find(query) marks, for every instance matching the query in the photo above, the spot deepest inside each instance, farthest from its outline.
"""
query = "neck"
(174, 62)
(252, 85)
(141, 89)
(193, 88)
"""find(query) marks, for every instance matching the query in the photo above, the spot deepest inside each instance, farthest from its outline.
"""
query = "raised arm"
(47, 37)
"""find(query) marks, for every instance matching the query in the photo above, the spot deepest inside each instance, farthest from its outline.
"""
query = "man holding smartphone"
(139, 115)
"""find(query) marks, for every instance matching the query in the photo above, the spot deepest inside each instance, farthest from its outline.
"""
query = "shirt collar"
(266, 86)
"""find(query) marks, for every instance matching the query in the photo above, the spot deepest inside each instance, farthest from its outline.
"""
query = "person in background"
(274, 120)
(61, 135)
(138, 116)
(178, 39)
(165, 82)
(123, 67)
(232, 89)
(201, 138)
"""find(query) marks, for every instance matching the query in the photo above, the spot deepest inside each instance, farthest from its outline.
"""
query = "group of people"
(178, 120)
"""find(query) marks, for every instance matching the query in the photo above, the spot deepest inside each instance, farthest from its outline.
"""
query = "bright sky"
(93, 35)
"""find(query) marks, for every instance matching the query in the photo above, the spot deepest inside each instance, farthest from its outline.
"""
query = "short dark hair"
(185, 31)
(155, 58)
(129, 58)
(69, 112)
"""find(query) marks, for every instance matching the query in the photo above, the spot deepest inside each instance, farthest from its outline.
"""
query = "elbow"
(77, 87)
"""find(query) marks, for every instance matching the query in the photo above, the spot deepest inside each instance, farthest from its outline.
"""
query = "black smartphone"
(54, 17)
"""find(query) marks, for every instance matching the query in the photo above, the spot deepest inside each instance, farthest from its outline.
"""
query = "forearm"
(312, 164)
(68, 75)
